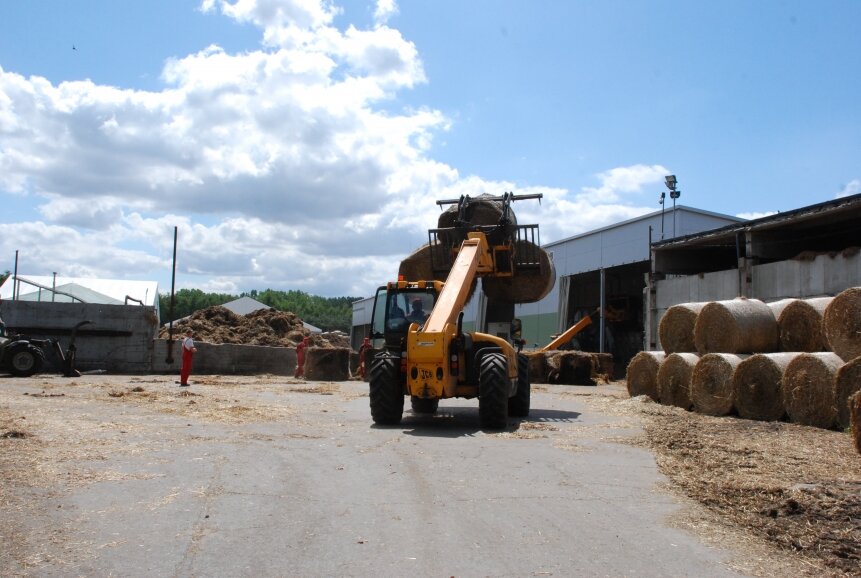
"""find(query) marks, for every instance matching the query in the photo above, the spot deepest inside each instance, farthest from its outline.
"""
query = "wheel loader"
(432, 358)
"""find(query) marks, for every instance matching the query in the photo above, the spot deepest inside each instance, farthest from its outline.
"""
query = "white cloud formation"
(754, 215)
(286, 167)
(853, 187)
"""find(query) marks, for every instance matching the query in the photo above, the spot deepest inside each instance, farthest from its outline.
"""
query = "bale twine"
(846, 384)
(711, 383)
(842, 324)
(799, 324)
(855, 419)
(808, 389)
(327, 363)
(641, 375)
(526, 285)
(537, 366)
(674, 379)
(676, 329)
(756, 384)
(736, 326)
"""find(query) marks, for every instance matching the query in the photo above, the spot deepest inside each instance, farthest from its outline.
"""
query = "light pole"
(674, 194)
(661, 202)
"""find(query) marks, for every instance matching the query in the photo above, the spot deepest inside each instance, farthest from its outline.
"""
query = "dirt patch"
(795, 487)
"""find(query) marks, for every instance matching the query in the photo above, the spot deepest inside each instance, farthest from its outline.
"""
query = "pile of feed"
(262, 327)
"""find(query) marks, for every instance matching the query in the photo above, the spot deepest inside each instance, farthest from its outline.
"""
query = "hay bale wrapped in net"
(674, 379)
(527, 285)
(808, 389)
(855, 419)
(570, 367)
(736, 326)
(537, 366)
(799, 324)
(711, 383)
(676, 328)
(841, 324)
(480, 211)
(641, 375)
(846, 384)
(757, 383)
(327, 363)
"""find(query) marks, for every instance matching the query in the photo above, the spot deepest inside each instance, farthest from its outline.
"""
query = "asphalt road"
(299, 482)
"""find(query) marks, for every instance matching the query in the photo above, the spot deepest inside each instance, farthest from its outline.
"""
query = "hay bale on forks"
(736, 326)
(756, 384)
(327, 363)
(641, 375)
(674, 379)
(676, 329)
(711, 383)
(526, 285)
(808, 389)
(418, 267)
(855, 419)
(846, 384)
(800, 324)
(841, 324)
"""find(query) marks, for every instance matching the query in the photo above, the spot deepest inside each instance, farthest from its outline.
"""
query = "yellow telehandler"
(430, 357)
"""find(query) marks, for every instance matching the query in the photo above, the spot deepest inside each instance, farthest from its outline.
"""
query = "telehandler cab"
(432, 358)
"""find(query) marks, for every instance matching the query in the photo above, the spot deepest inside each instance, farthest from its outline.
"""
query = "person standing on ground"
(363, 350)
(300, 357)
(188, 351)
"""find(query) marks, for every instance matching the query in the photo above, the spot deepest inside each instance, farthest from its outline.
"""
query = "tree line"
(327, 313)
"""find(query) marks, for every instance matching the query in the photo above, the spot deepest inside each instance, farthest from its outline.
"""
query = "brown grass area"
(796, 488)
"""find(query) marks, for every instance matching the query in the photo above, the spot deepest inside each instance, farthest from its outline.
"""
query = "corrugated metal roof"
(105, 291)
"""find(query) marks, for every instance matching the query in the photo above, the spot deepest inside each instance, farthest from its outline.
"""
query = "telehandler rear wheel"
(493, 387)
(518, 406)
(386, 391)
(422, 405)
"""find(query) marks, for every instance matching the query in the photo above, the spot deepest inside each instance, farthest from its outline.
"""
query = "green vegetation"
(327, 313)
(3, 276)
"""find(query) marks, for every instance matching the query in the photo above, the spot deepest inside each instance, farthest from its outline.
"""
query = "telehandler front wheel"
(518, 406)
(422, 405)
(386, 391)
(493, 387)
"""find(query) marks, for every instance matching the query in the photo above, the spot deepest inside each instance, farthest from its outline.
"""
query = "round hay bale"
(799, 324)
(846, 384)
(418, 267)
(711, 383)
(526, 285)
(327, 363)
(841, 324)
(855, 419)
(808, 389)
(641, 375)
(676, 329)
(756, 384)
(479, 211)
(537, 366)
(674, 379)
(736, 326)
(570, 367)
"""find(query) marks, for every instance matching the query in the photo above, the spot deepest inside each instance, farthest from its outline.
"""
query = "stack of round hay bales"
(799, 323)
(736, 326)
(676, 329)
(674, 379)
(841, 324)
(756, 384)
(846, 384)
(711, 383)
(641, 375)
(855, 419)
(327, 364)
(808, 389)
(570, 367)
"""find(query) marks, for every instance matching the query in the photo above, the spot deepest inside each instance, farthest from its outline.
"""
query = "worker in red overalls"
(300, 357)
(188, 351)
(366, 345)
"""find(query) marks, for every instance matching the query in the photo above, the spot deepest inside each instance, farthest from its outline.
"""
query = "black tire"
(422, 405)
(25, 360)
(518, 405)
(493, 387)
(386, 391)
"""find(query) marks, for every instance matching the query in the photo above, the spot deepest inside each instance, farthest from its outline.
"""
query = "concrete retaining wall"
(226, 359)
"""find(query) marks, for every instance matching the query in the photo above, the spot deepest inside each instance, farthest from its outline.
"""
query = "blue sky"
(301, 145)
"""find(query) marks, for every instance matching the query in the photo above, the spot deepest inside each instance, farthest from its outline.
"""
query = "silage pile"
(262, 327)
(795, 359)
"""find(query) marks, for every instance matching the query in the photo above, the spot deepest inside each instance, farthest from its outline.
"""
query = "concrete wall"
(226, 359)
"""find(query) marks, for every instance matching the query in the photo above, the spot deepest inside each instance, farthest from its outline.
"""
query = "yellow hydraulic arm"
(569, 333)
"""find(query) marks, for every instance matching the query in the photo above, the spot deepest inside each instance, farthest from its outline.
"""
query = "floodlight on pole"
(672, 184)
(661, 202)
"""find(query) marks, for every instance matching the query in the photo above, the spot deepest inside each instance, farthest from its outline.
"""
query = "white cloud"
(288, 167)
(755, 215)
(853, 187)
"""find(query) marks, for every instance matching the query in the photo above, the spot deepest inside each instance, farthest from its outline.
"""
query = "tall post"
(601, 317)
(172, 300)
(54, 288)
(15, 279)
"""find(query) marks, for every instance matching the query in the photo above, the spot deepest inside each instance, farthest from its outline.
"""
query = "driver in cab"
(417, 313)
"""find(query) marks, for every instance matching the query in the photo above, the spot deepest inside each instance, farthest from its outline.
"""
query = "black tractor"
(21, 356)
